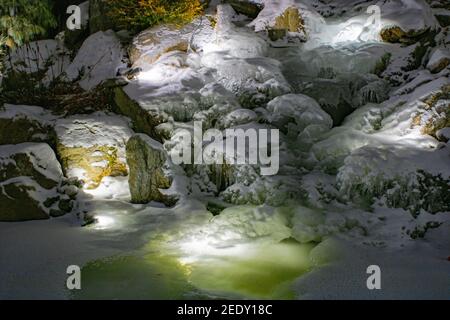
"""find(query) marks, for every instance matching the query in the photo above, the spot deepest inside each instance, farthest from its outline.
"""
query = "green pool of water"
(255, 271)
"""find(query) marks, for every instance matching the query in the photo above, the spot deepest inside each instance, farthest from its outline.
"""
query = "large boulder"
(93, 146)
(150, 175)
(32, 184)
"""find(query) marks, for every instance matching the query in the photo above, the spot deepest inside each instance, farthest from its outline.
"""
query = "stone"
(92, 147)
(439, 60)
(149, 171)
(19, 124)
(30, 176)
(248, 8)
(152, 43)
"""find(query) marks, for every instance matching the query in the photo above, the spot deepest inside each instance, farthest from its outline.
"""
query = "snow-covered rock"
(255, 81)
(439, 60)
(409, 178)
(297, 18)
(93, 146)
(237, 117)
(99, 58)
(152, 43)
(31, 182)
(403, 20)
(15, 119)
(443, 134)
(299, 117)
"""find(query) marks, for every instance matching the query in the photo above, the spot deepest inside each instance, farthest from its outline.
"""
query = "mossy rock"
(20, 130)
(395, 34)
(290, 20)
(250, 9)
(22, 166)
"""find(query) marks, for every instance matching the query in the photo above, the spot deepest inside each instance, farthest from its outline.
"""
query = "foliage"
(140, 14)
(23, 20)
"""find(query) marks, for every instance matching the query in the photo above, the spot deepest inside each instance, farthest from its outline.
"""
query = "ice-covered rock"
(150, 171)
(439, 60)
(93, 146)
(99, 58)
(30, 181)
(310, 225)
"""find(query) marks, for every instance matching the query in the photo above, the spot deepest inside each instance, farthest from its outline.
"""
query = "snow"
(443, 133)
(42, 157)
(273, 9)
(44, 55)
(411, 15)
(369, 165)
(438, 57)
(299, 116)
(14, 112)
(99, 58)
(99, 128)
